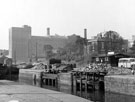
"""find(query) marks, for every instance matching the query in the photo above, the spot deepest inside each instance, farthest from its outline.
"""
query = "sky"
(67, 17)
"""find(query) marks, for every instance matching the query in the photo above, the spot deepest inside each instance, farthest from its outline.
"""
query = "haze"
(66, 17)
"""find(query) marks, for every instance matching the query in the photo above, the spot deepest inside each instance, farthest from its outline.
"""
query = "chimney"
(48, 31)
(85, 33)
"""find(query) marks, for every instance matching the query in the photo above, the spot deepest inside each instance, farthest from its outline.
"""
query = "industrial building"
(23, 47)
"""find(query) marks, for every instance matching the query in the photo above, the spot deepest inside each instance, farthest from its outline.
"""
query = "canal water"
(99, 95)
(95, 96)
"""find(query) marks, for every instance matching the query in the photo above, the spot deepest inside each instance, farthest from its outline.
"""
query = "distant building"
(133, 37)
(107, 42)
(19, 38)
(23, 47)
(4, 52)
(131, 41)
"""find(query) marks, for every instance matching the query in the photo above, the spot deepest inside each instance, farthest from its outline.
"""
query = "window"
(102, 44)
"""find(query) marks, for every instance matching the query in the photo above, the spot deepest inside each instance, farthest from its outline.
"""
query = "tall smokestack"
(48, 31)
(85, 33)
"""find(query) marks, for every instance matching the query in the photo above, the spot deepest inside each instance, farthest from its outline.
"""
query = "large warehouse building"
(23, 47)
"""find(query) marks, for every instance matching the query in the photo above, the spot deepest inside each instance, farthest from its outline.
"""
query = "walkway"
(15, 92)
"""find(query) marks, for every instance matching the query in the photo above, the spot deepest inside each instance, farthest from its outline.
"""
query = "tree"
(133, 48)
(74, 49)
(61, 52)
(113, 41)
(48, 51)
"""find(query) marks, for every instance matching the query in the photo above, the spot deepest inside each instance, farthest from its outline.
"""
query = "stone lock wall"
(65, 82)
(32, 77)
(124, 84)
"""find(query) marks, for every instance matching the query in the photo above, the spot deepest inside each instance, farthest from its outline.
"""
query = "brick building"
(105, 42)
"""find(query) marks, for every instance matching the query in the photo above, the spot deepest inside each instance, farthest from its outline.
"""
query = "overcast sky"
(66, 17)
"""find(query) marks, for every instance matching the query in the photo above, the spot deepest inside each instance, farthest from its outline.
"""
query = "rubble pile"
(105, 68)
(39, 66)
(118, 71)
(89, 68)
(93, 68)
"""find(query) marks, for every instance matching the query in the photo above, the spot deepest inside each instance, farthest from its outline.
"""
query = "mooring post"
(51, 82)
(80, 83)
(75, 82)
(93, 80)
(86, 79)
(47, 81)
(72, 83)
(56, 82)
(10, 72)
(41, 79)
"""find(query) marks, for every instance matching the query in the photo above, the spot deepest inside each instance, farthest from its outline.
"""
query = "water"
(95, 96)
(114, 97)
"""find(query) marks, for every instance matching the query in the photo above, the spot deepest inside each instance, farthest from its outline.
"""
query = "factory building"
(23, 47)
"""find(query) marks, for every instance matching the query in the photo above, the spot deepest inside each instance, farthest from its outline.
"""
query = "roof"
(126, 58)
(116, 54)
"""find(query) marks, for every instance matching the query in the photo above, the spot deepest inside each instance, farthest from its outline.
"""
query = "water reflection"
(95, 96)
(114, 97)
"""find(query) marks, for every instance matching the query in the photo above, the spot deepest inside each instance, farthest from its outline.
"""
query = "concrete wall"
(38, 43)
(65, 82)
(113, 97)
(124, 84)
(31, 77)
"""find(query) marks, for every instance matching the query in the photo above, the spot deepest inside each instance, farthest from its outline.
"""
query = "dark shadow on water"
(101, 85)
(95, 96)
(11, 78)
(115, 97)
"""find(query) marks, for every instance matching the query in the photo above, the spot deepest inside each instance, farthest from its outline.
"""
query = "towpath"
(16, 92)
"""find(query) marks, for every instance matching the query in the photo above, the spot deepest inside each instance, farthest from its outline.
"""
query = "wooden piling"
(80, 83)
(86, 79)
(75, 83)
(65, 82)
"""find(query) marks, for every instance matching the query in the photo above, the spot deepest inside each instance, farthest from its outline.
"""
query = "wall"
(65, 82)
(23, 47)
(31, 77)
(124, 84)
(38, 42)
(113, 97)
